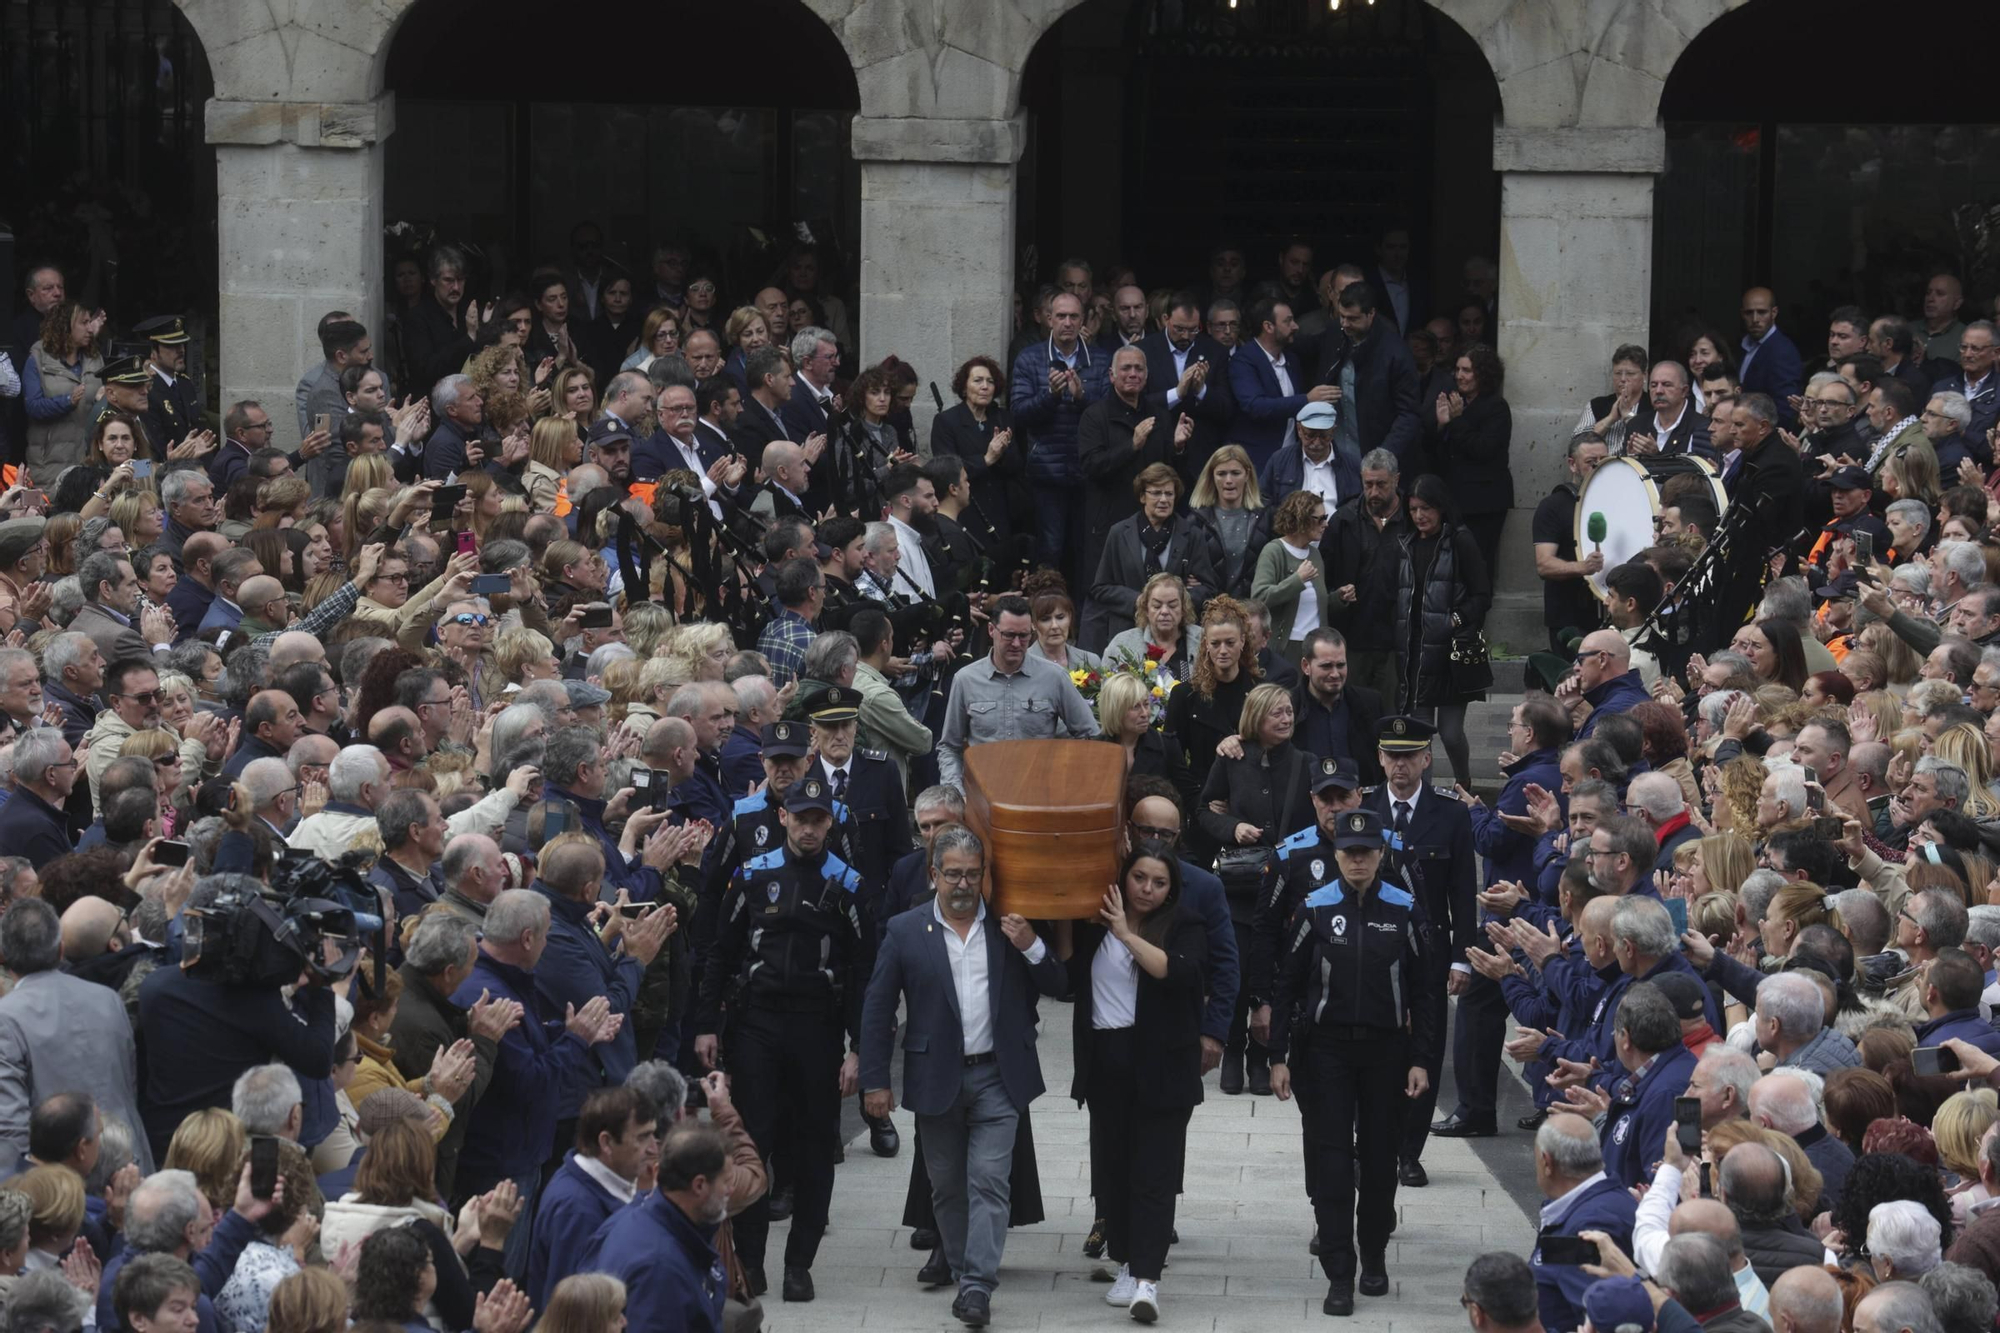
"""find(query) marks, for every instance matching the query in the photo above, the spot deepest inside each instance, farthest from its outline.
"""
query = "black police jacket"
(1356, 960)
(792, 939)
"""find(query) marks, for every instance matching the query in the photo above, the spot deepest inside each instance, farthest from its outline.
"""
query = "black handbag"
(1471, 667)
(1244, 871)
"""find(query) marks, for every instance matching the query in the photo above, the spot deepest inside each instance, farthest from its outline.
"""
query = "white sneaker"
(1146, 1302)
(1122, 1287)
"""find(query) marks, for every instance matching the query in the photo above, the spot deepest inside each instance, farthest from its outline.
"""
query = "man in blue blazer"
(1269, 383)
(969, 1063)
(1771, 362)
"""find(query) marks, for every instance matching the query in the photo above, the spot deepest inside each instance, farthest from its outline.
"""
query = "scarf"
(1155, 541)
(1882, 442)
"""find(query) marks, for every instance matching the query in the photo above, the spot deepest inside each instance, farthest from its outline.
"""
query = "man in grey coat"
(60, 1034)
(969, 1062)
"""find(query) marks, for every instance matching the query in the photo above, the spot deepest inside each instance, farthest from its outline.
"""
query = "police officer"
(173, 408)
(1433, 831)
(1351, 1016)
(125, 381)
(863, 780)
(790, 963)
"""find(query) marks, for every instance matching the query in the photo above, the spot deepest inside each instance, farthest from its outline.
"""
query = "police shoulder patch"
(879, 756)
(1326, 895)
(845, 875)
(1305, 837)
(1396, 897)
(768, 861)
(751, 804)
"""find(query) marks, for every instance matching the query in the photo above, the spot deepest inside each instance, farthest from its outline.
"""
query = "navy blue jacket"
(213, 1264)
(879, 833)
(512, 1127)
(79, 715)
(571, 1209)
(1202, 894)
(575, 969)
(672, 1274)
(1615, 695)
(1831, 1157)
(1385, 387)
(1511, 855)
(1776, 370)
(444, 454)
(1964, 1024)
(1045, 424)
(1598, 1040)
(1985, 407)
(742, 759)
(31, 827)
(1284, 472)
(639, 880)
(1642, 1109)
(1262, 411)
(1604, 1206)
(1211, 411)
(1438, 850)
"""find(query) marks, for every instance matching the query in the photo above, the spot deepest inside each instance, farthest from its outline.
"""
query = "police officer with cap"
(1351, 1029)
(878, 832)
(1432, 832)
(173, 408)
(788, 970)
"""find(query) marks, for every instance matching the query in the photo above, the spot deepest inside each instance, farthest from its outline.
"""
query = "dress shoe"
(882, 1137)
(1531, 1123)
(923, 1238)
(780, 1204)
(1093, 1244)
(1456, 1126)
(1374, 1275)
(839, 1153)
(753, 1278)
(798, 1283)
(1412, 1173)
(936, 1271)
(1232, 1073)
(972, 1309)
(1339, 1299)
(1260, 1079)
(1312, 1246)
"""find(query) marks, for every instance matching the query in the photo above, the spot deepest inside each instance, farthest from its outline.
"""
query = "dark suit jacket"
(434, 343)
(912, 962)
(1261, 411)
(1364, 711)
(1211, 411)
(1776, 370)
(1109, 462)
(1385, 388)
(1471, 453)
(1420, 299)
(755, 427)
(1166, 1020)
(1688, 437)
(1438, 849)
(1121, 572)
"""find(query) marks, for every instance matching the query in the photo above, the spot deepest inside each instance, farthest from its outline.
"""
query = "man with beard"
(662, 1246)
(1848, 490)
(1369, 365)
(1567, 601)
(1361, 550)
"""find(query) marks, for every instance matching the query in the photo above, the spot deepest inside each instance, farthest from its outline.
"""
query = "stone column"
(937, 241)
(1576, 277)
(299, 209)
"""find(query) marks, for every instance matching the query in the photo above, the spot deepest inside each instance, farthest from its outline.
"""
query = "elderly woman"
(1781, 800)
(1958, 1129)
(1610, 415)
(1153, 541)
(1909, 523)
(284, 1238)
(978, 429)
(1444, 588)
(1289, 580)
(1125, 706)
(659, 336)
(1904, 1240)
(700, 651)
(1055, 623)
(1230, 508)
(1164, 631)
(553, 449)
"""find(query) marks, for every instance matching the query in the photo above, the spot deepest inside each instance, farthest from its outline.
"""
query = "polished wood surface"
(1049, 813)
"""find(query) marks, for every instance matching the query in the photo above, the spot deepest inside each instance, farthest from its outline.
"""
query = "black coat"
(1385, 388)
(1109, 463)
(1218, 553)
(756, 427)
(1195, 726)
(1166, 1020)
(1453, 580)
(1471, 455)
(434, 344)
(1122, 572)
(1254, 792)
(1364, 711)
(999, 490)
(1211, 411)
(1773, 478)
(1354, 550)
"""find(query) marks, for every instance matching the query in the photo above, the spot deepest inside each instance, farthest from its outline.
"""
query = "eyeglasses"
(1580, 658)
(392, 578)
(960, 876)
(1149, 831)
(1014, 635)
(472, 618)
(141, 696)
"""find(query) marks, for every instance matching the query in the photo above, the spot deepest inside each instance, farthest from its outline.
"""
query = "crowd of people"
(454, 871)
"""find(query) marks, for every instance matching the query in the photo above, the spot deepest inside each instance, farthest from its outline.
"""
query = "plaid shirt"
(784, 641)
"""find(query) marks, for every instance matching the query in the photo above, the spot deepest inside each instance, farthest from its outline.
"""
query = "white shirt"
(969, 981)
(1284, 376)
(1306, 620)
(1114, 986)
(1320, 480)
(1180, 356)
(691, 456)
(614, 1184)
(846, 772)
(910, 557)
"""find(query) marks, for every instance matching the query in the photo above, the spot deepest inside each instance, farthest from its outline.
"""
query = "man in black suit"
(1336, 720)
(1433, 832)
(1367, 360)
(769, 370)
(809, 406)
(173, 408)
(677, 445)
(1405, 296)
(1670, 425)
(1187, 374)
(436, 341)
(1771, 475)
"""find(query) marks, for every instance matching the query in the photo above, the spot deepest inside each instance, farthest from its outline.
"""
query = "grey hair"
(1658, 794)
(446, 257)
(66, 596)
(1914, 512)
(174, 487)
(31, 937)
(1907, 1306)
(1793, 1003)
(567, 751)
(264, 1096)
(114, 1145)
(1787, 600)
(944, 796)
(1734, 663)
(267, 779)
(1577, 1158)
(1380, 460)
(1791, 1101)
(830, 655)
(1914, 577)
(754, 693)
(352, 769)
(447, 392)
(807, 340)
(36, 752)
(875, 538)
(1644, 924)
(14, 657)
(65, 651)
(1904, 1232)
(956, 838)
(1940, 914)
(15, 1210)
(159, 1211)
(1965, 560)
(512, 724)
(663, 1085)
(1791, 789)
(440, 942)
(1731, 1068)
(1954, 406)
(515, 912)
(1756, 893)
(1962, 1297)
(1695, 1268)
(604, 655)
(1952, 784)
(1715, 707)
(44, 1302)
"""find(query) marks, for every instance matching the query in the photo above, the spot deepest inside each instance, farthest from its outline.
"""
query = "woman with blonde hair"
(312, 1300)
(1230, 509)
(210, 1144)
(171, 773)
(57, 1195)
(1742, 782)
(1957, 1129)
(647, 625)
(1910, 472)
(587, 1302)
(486, 495)
(1793, 908)
(1722, 861)
(1125, 706)
(137, 514)
(362, 512)
(525, 655)
(659, 336)
(1876, 709)
(701, 651)
(1899, 660)
(368, 473)
(1966, 745)
(281, 502)
(572, 397)
(622, 679)
(1290, 581)
(1163, 631)
(553, 449)
(654, 680)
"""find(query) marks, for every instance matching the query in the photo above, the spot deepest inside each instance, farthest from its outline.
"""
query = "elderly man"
(662, 1246)
(1753, 1182)
(1657, 798)
(1647, 1043)
(1117, 438)
(1008, 695)
(1896, 1307)
(1311, 461)
(32, 823)
(270, 724)
(1947, 423)
(274, 794)
(168, 1215)
(1975, 381)
(110, 614)
(1054, 381)
(357, 783)
(1789, 1104)
(1605, 681)
(1662, 1216)
(458, 409)
(1904, 1240)
(1807, 1300)
(1792, 1026)
(1569, 1170)
(1669, 425)
(473, 874)
(413, 838)
(1695, 1269)
(441, 953)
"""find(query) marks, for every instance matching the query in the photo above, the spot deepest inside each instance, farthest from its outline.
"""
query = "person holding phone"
(1569, 1170)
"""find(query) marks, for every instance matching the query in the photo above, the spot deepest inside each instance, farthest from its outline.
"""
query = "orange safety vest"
(562, 497)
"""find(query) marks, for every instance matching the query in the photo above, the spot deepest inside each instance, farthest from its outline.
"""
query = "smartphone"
(221, 641)
(1930, 1061)
(1829, 828)
(263, 1166)
(1573, 1250)
(555, 821)
(596, 617)
(653, 784)
(490, 585)
(631, 910)
(467, 544)
(1687, 1124)
(170, 853)
(444, 500)
(1815, 794)
(1864, 548)
(142, 468)
(323, 424)
(1677, 912)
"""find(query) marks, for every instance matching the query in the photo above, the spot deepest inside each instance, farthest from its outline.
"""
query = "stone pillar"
(299, 209)
(937, 241)
(1576, 277)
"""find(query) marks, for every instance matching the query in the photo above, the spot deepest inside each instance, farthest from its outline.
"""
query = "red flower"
(1154, 652)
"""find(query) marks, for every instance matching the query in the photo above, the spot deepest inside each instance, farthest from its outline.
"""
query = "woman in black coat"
(979, 431)
(1470, 445)
(1207, 708)
(1136, 982)
(1441, 576)
(1233, 518)
(1155, 540)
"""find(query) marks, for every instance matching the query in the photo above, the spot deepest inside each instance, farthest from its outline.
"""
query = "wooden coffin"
(1049, 813)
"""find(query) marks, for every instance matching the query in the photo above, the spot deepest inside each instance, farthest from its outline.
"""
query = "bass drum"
(1626, 490)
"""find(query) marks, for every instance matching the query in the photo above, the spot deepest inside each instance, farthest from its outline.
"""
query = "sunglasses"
(471, 618)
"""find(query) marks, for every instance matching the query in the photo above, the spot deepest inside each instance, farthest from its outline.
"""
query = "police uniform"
(790, 963)
(878, 833)
(752, 828)
(1433, 831)
(1350, 1021)
(173, 408)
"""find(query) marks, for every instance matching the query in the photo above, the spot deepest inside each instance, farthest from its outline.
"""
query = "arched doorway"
(1159, 128)
(647, 120)
(1790, 163)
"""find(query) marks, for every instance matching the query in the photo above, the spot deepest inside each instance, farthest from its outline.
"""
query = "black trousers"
(1485, 529)
(1475, 1048)
(1136, 1156)
(1351, 1090)
(786, 1067)
(1240, 1040)
(1417, 1111)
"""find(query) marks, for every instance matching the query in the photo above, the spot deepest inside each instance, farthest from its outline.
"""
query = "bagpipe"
(720, 564)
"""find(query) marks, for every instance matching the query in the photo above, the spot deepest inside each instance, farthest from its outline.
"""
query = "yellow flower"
(1151, 665)
(1078, 676)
